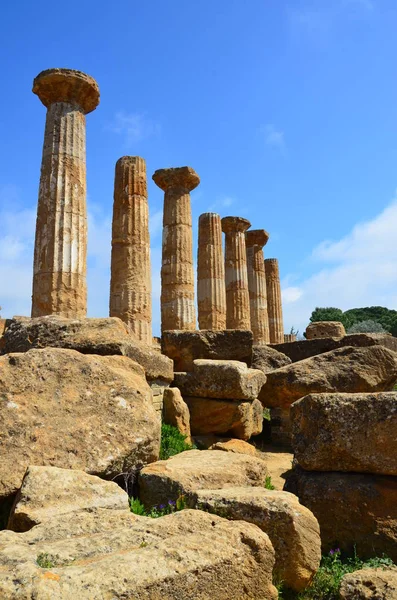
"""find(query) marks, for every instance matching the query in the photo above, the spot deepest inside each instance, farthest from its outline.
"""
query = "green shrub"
(172, 442)
(138, 508)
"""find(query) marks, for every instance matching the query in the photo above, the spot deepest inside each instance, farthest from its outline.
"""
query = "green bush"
(327, 581)
(368, 326)
(172, 442)
(155, 512)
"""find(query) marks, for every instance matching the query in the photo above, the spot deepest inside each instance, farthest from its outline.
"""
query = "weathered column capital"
(184, 178)
(67, 85)
(235, 224)
(256, 237)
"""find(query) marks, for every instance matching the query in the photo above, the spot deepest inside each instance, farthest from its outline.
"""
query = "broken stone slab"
(354, 510)
(81, 553)
(370, 584)
(66, 409)
(105, 337)
(238, 418)
(176, 412)
(222, 379)
(48, 492)
(186, 346)
(291, 527)
(346, 432)
(234, 445)
(195, 470)
(303, 349)
(325, 329)
(266, 359)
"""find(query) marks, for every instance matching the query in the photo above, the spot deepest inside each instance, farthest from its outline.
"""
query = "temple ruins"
(275, 309)
(60, 251)
(131, 284)
(255, 240)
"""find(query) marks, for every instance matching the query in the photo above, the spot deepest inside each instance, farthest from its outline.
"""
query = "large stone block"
(223, 379)
(195, 470)
(325, 329)
(291, 527)
(89, 336)
(62, 408)
(185, 346)
(303, 349)
(346, 432)
(370, 584)
(266, 359)
(97, 552)
(240, 419)
(353, 510)
(351, 370)
(176, 412)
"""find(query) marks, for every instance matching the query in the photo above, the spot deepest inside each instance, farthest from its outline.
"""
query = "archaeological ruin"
(224, 459)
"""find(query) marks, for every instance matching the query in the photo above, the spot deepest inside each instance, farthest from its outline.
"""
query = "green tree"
(329, 313)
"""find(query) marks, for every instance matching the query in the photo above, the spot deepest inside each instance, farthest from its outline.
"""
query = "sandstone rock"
(370, 584)
(325, 329)
(197, 470)
(176, 412)
(66, 409)
(266, 359)
(352, 509)
(186, 346)
(241, 419)
(346, 432)
(279, 464)
(100, 553)
(306, 348)
(292, 528)
(354, 370)
(232, 445)
(88, 336)
(48, 491)
(223, 379)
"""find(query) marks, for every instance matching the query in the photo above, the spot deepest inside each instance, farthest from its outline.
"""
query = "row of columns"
(240, 292)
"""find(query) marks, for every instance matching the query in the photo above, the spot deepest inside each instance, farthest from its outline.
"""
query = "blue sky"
(286, 109)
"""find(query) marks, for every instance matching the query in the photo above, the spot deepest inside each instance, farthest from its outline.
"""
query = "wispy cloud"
(273, 136)
(221, 203)
(134, 127)
(358, 270)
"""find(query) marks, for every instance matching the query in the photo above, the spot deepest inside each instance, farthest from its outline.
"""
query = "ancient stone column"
(59, 273)
(211, 291)
(177, 276)
(236, 276)
(274, 306)
(255, 239)
(130, 282)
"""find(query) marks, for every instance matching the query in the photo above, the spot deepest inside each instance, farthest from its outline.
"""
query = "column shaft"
(130, 285)
(236, 276)
(59, 277)
(211, 292)
(258, 295)
(274, 305)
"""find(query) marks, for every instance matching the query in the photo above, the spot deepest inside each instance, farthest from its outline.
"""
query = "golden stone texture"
(130, 285)
(236, 276)
(255, 239)
(59, 273)
(177, 274)
(211, 291)
(274, 305)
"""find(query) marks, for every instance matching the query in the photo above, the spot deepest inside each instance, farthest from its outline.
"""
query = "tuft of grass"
(268, 483)
(172, 442)
(45, 561)
(266, 414)
(155, 512)
(327, 581)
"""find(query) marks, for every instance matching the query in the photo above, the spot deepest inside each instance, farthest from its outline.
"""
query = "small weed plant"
(268, 483)
(327, 581)
(172, 442)
(172, 506)
(45, 561)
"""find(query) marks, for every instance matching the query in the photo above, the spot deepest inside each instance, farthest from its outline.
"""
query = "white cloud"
(134, 127)
(358, 270)
(273, 136)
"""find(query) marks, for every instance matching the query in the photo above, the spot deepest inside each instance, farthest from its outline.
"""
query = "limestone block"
(185, 346)
(223, 379)
(346, 432)
(266, 359)
(370, 584)
(176, 412)
(240, 419)
(291, 527)
(325, 329)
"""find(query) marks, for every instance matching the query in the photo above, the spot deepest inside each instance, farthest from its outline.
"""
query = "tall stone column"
(236, 276)
(255, 239)
(130, 282)
(274, 306)
(211, 291)
(60, 252)
(177, 275)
